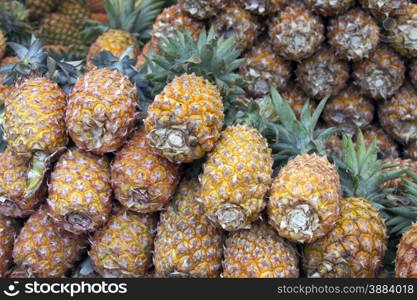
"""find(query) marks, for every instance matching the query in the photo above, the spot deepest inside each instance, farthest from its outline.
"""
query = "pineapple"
(397, 116)
(354, 248)
(401, 33)
(76, 11)
(304, 204)
(354, 35)
(125, 23)
(383, 9)
(79, 192)
(381, 75)
(387, 148)
(296, 97)
(203, 9)
(349, 111)
(40, 8)
(238, 22)
(184, 121)
(334, 146)
(96, 6)
(59, 29)
(259, 253)
(123, 247)
(142, 181)
(236, 178)
(15, 179)
(186, 243)
(3, 44)
(410, 150)
(406, 259)
(43, 250)
(322, 74)
(296, 33)
(5, 89)
(397, 184)
(263, 7)
(263, 69)
(100, 17)
(330, 8)
(8, 232)
(102, 106)
(356, 245)
(151, 48)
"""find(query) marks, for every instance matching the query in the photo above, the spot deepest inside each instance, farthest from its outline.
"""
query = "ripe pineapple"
(143, 181)
(384, 8)
(172, 19)
(406, 259)
(3, 44)
(15, 172)
(296, 97)
(401, 33)
(410, 150)
(203, 9)
(40, 8)
(187, 244)
(296, 33)
(259, 253)
(5, 89)
(236, 178)
(184, 121)
(354, 248)
(354, 35)
(387, 147)
(263, 7)
(59, 29)
(76, 11)
(240, 23)
(263, 68)
(79, 191)
(322, 74)
(381, 75)
(397, 116)
(349, 111)
(304, 204)
(330, 8)
(123, 247)
(43, 250)
(8, 232)
(102, 109)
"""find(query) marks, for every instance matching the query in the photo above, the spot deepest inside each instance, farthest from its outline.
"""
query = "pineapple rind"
(8, 232)
(406, 259)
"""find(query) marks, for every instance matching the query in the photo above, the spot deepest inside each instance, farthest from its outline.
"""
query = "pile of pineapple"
(208, 138)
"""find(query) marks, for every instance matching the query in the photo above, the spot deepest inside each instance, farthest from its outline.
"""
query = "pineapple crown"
(126, 66)
(13, 21)
(298, 136)
(214, 59)
(126, 15)
(35, 60)
(403, 216)
(361, 173)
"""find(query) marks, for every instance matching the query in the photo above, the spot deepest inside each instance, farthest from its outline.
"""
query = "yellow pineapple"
(406, 259)
(187, 244)
(8, 232)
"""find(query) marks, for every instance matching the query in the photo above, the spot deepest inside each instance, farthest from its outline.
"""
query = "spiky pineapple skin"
(58, 29)
(330, 8)
(354, 35)
(304, 202)
(401, 33)
(35, 116)
(8, 232)
(384, 8)
(259, 253)
(40, 8)
(297, 98)
(406, 258)
(322, 74)
(185, 120)
(5, 89)
(102, 111)
(76, 11)
(349, 111)
(186, 243)
(296, 32)
(381, 75)
(123, 248)
(44, 250)
(264, 69)
(354, 248)
(236, 178)
(116, 42)
(204, 9)
(387, 147)
(241, 23)
(80, 188)
(172, 19)
(263, 7)
(14, 178)
(397, 116)
(142, 180)
(3, 44)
